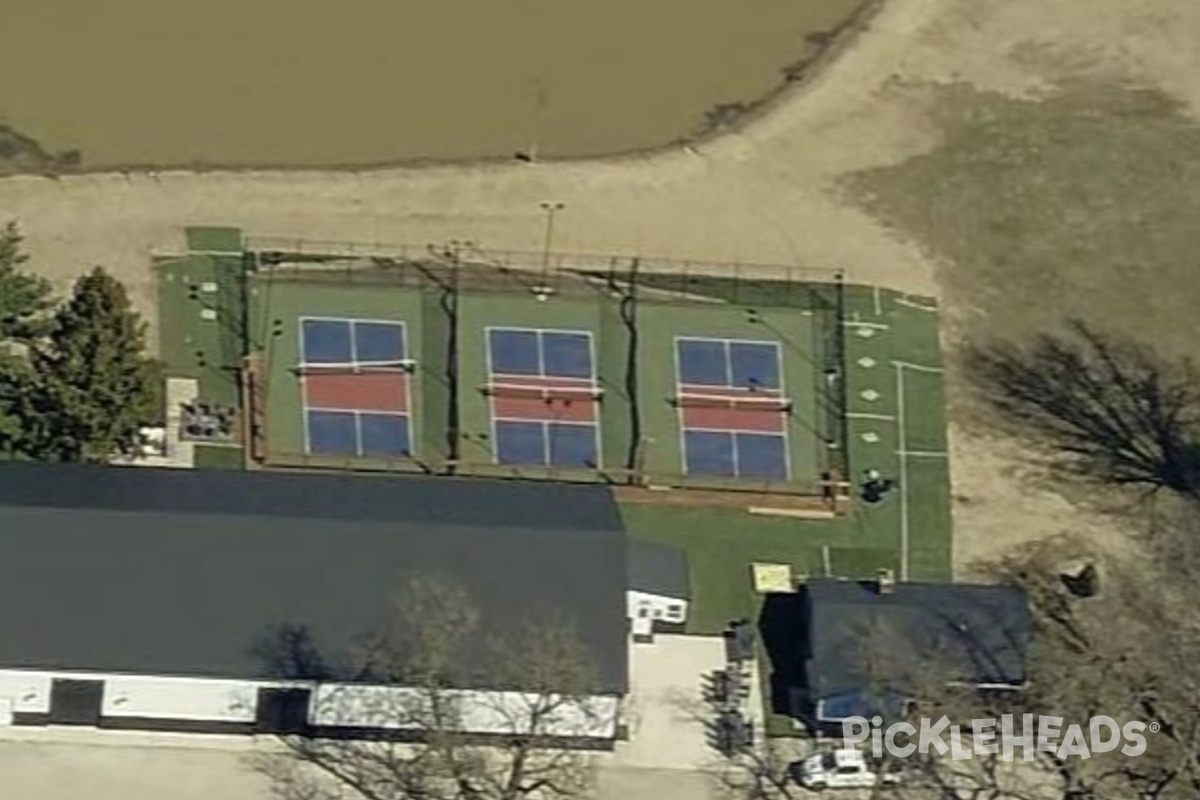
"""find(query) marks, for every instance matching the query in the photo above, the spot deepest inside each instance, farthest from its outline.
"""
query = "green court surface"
(895, 424)
(633, 362)
(278, 309)
(202, 321)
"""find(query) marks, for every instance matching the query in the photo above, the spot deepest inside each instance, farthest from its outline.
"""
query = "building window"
(675, 612)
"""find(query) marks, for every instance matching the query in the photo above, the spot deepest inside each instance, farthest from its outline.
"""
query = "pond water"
(355, 82)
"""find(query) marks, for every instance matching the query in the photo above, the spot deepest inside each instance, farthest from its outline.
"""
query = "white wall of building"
(180, 698)
(643, 605)
(479, 712)
(29, 692)
(210, 700)
(153, 697)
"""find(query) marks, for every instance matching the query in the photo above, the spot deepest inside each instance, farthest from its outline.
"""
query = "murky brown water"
(302, 82)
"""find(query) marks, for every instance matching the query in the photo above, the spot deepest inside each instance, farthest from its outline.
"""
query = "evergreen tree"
(24, 302)
(93, 385)
(16, 382)
(24, 298)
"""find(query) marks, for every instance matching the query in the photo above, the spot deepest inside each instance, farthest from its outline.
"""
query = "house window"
(675, 612)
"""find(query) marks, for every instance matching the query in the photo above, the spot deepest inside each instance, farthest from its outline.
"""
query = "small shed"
(658, 588)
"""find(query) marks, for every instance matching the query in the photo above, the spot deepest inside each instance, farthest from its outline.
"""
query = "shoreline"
(800, 76)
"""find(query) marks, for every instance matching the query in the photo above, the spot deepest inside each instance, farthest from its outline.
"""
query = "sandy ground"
(59, 767)
(764, 194)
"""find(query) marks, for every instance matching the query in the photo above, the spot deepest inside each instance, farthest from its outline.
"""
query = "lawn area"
(208, 457)
(722, 543)
(1079, 202)
(201, 325)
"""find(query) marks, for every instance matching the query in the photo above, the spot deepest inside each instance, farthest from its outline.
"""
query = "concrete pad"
(665, 710)
(71, 771)
(70, 765)
(632, 783)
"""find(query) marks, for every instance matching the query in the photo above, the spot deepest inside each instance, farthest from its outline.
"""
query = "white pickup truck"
(839, 769)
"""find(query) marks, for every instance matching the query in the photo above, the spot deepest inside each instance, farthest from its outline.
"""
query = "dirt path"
(765, 194)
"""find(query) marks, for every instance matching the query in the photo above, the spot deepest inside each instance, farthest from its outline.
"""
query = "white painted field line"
(825, 558)
(903, 301)
(857, 415)
(878, 302)
(922, 454)
(853, 323)
(918, 367)
(900, 451)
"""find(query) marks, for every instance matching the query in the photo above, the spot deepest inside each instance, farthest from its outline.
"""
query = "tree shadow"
(1110, 410)
(289, 651)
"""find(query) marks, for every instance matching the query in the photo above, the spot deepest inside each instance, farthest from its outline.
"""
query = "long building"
(142, 598)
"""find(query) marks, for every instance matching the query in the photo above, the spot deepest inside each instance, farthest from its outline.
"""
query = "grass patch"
(220, 457)
(221, 240)
(721, 544)
(924, 418)
(190, 345)
(862, 562)
(928, 511)
(1082, 203)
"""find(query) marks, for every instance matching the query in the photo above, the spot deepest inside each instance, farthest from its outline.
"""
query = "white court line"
(921, 454)
(918, 367)
(901, 301)
(900, 451)
(856, 415)
(853, 323)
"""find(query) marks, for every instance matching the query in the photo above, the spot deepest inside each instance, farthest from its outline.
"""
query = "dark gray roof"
(976, 633)
(433, 500)
(658, 569)
(123, 569)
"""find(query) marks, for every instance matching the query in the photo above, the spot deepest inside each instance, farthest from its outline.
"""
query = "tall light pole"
(551, 209)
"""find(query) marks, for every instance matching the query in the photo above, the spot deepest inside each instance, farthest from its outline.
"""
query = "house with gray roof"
(139, 598)
(844, 648)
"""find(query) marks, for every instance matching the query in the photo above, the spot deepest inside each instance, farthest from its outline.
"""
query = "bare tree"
(760, 773)
(1127, 648)
(518, 739)
(1130, 652)
(1116, 411)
